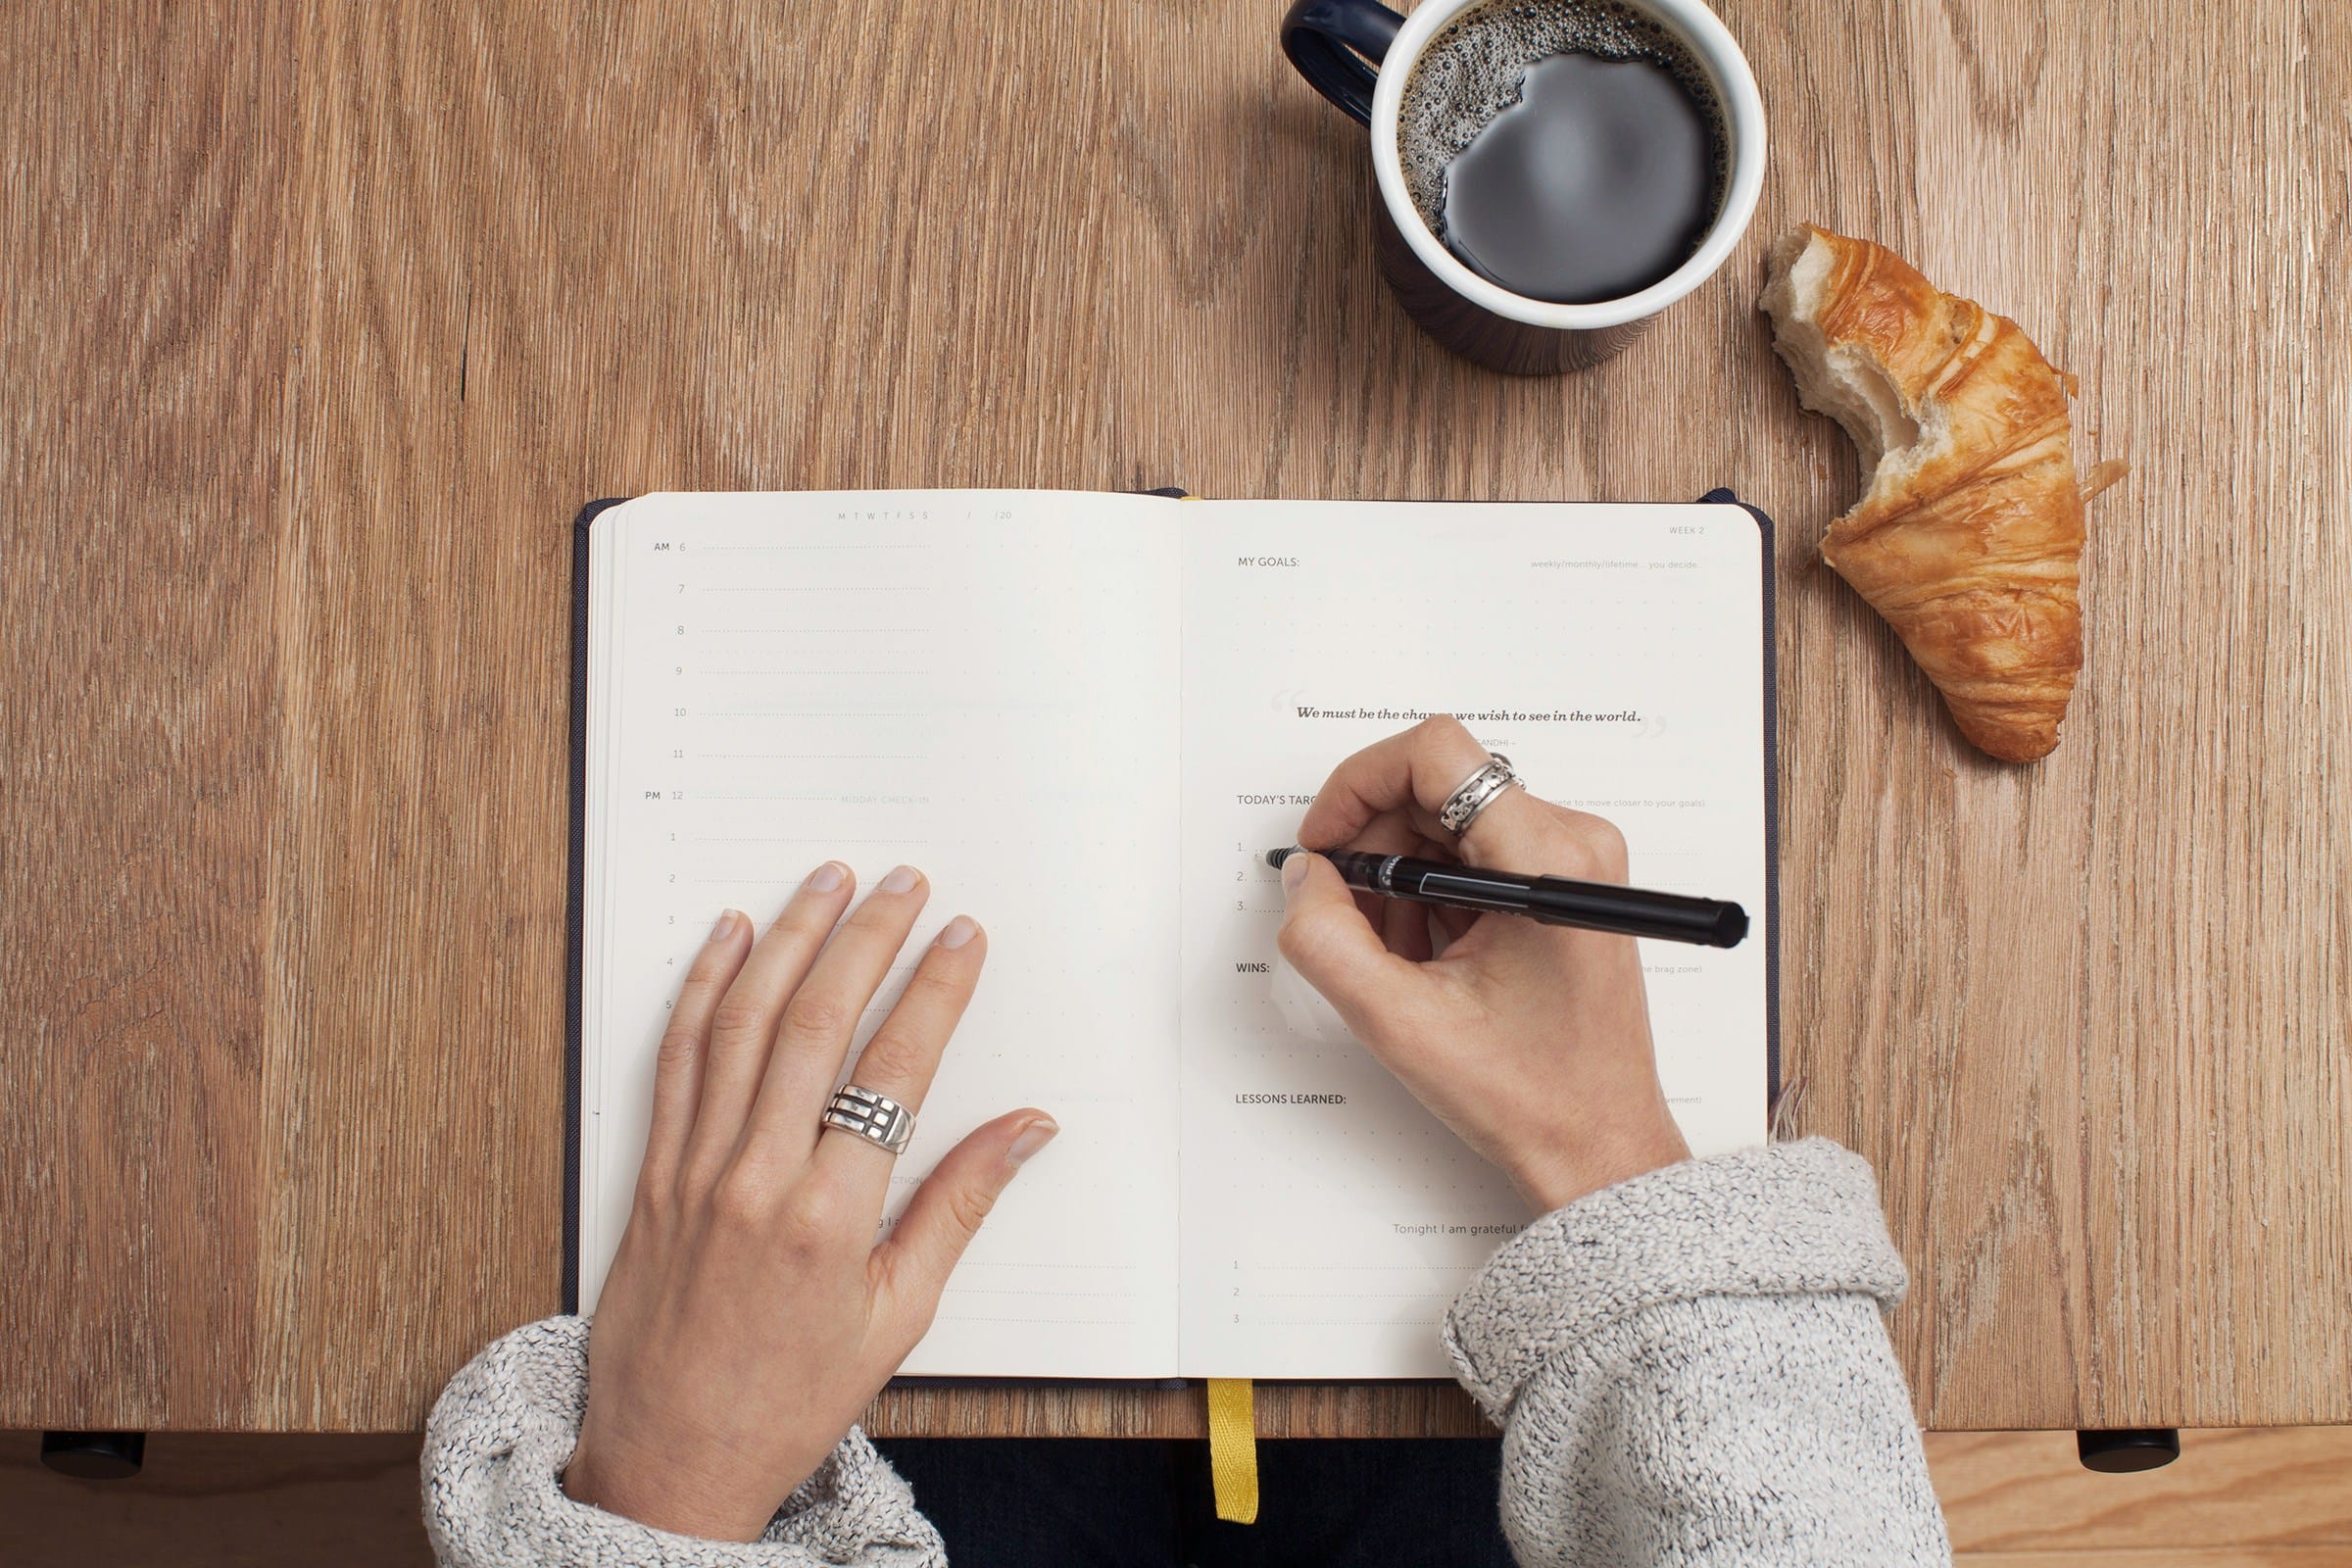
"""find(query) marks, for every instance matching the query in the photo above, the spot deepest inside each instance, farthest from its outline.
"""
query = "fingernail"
(1294, 872)
(958, 931)
(900, 881)
(826, 878)
(1034, 1136)
(725, 927)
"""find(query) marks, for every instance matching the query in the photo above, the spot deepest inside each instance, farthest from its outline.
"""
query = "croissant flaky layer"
(1969, 538)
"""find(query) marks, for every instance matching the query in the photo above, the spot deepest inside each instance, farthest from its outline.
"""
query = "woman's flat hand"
(749, 1314)
(1532, 1042)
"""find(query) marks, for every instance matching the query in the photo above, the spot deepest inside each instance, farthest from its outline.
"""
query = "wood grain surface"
(2011, 1496)
(320, 319)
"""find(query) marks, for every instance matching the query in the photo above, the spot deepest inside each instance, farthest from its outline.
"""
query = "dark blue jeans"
(1135, 1503)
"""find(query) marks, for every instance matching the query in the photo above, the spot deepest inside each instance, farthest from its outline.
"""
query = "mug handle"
(1331, 41)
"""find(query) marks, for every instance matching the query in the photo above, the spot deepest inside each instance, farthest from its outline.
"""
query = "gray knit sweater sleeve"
(504, 1429)
(1690, 1369)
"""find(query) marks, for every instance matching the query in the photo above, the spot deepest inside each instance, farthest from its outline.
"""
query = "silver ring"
(1477, 793)
(876, 1118)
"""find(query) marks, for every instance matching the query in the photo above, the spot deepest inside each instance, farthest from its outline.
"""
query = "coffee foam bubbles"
(1472, 71)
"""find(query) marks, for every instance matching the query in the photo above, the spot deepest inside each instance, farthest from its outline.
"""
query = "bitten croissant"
(1969, 536)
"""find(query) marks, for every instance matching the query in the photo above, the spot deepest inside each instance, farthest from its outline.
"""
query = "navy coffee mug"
(1358, 53)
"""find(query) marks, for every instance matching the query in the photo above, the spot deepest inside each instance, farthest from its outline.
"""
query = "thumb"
(946, 1212)
(1333, 946)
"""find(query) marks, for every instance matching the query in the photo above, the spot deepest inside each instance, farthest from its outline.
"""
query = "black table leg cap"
(2127, 1449)
(94, 1455)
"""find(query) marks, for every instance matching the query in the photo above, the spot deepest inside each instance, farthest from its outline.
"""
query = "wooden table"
(319, 319)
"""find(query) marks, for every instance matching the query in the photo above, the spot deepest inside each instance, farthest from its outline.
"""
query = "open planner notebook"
(1086, 717)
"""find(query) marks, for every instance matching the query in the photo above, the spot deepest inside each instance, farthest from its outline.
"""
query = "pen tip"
(1275, 858)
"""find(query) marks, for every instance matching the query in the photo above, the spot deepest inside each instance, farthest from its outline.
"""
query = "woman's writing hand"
(1531, 1042)
(749, 1316)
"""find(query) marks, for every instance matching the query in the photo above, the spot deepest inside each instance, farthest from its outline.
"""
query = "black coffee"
(1568, 150)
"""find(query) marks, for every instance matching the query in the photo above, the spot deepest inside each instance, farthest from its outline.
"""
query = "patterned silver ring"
(1477, 793)
(877, 1118)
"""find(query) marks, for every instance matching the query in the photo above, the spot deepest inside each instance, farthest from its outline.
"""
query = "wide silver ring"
(876, 1118)
(1477, 793)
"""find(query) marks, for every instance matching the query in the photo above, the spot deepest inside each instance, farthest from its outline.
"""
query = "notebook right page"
(1616, 654)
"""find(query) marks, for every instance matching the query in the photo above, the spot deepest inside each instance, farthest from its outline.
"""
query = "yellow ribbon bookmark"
(1233, 1448)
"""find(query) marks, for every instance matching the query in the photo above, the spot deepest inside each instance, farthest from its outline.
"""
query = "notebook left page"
(980, 683)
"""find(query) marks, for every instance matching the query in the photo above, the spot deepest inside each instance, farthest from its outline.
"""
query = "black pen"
(1549, 900)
